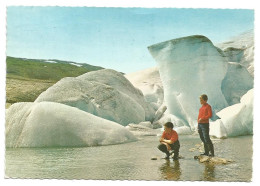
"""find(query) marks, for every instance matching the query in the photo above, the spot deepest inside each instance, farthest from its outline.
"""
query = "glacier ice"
(159, 113)
(240, 49)
(149, 82)
(190, 66)
(184, 130)
(236, 83)
(143, 129)
(104, 93)
(236, 119)
(49, 124)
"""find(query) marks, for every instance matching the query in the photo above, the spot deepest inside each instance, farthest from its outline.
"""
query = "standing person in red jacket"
(205, 113)
(169, 141)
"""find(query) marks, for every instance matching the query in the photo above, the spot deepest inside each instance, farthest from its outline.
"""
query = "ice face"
(236, 119)
(49, 124)
(104, 93)
(120, 83)
(236, 83)
(189, 67)
(149, 82)
(240, 49)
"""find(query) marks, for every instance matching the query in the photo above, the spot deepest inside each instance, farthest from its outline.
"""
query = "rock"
(213, 160)
(203, 158)
(192, 149)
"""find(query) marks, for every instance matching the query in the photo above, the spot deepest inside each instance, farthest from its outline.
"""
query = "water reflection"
(171, 171)
(209, 172)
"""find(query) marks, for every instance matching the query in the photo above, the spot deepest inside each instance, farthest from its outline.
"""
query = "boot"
(211, 149)
(206, 149)
(167, 155)
(176, 156)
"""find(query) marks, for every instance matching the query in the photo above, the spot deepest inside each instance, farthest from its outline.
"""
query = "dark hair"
(204, 97)
(169, 125)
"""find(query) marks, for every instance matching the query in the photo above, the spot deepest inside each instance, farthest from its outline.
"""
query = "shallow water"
(132, 161)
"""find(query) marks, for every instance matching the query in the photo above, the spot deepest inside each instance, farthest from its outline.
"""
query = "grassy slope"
(26, 79)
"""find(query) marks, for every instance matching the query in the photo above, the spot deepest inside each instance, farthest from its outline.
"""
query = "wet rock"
(213, 160)
(192, 149)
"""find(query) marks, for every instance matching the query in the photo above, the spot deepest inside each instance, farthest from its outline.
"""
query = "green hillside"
(38, 69)
(26, 79)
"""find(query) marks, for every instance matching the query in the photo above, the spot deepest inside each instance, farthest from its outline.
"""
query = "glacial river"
(132, 161)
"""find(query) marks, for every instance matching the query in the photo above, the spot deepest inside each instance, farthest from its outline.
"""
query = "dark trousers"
(203, 130)
(175, 147)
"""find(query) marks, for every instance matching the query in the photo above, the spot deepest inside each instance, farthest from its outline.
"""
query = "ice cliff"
(104, 93)
(191, 66)
(49, 124)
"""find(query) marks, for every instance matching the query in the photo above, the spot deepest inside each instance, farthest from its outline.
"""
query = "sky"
(114, 38)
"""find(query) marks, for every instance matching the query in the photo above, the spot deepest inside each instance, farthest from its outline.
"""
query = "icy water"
(132, 161)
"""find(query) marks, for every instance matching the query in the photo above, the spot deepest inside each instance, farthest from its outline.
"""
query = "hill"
(27, 78)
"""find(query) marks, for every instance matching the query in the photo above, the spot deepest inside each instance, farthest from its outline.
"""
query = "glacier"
(240, 49)
(50, 124)
(236, 83)
(235, 120)
(189, 67)
(149, 82)
(105, 93)
(107, 107)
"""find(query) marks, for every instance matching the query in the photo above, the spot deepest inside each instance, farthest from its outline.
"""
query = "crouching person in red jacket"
(169, 141)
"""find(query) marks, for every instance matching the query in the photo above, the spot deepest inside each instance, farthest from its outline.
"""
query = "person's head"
(168, 126)
(203, 99)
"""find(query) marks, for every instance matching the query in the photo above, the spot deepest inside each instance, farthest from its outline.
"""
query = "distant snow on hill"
(76, 64)
(50, 61)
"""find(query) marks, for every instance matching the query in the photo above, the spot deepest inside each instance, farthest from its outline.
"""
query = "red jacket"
(173, 136)
(205, 113)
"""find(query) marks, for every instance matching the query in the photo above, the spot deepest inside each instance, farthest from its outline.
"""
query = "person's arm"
(167, 141)
(162, 137)
(167, 145)
(207, 114)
